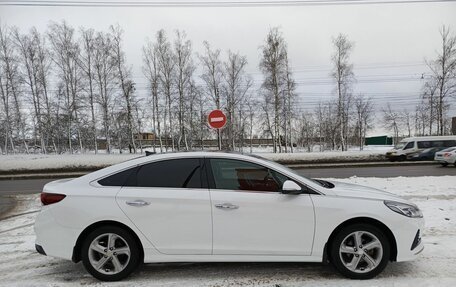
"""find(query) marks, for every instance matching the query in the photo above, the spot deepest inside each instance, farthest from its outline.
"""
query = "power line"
(271, 3)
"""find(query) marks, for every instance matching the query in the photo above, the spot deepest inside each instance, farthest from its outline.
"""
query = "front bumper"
(408, 239)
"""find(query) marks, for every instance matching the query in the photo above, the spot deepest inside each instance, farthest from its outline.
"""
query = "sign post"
(217, 120)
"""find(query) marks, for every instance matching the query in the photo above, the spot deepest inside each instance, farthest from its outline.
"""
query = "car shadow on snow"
(263, 272)
(218, 274)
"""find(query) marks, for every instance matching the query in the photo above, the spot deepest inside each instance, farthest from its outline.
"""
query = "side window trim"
(209, 174)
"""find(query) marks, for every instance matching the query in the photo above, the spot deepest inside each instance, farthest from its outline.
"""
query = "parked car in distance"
(221, 207)
(408, 147)
(446, 156)
(426, 154)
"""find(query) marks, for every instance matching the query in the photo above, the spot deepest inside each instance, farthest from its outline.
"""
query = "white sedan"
(446, 156)
(221, 207)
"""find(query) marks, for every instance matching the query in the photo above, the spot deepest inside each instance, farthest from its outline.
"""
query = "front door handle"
(226, 206)
(138, 203)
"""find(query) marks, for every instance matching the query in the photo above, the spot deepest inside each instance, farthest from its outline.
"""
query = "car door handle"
(226, 206)
(138, 203)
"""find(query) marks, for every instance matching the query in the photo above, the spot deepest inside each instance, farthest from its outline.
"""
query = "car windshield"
(400, 145)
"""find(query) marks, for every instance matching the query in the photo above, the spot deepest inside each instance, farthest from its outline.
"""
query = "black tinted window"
(424, 144)
(242, 175)
(176, 173)
(118, 179)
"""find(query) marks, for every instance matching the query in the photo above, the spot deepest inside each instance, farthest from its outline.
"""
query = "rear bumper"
(53, 239)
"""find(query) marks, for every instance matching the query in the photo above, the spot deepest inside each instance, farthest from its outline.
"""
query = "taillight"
(447, 154)
(50, 198)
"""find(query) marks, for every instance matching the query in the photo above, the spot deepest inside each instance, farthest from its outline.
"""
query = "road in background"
(28, 186)
(378, 171)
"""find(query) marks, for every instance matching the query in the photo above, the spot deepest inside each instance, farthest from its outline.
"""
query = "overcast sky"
(391, 40)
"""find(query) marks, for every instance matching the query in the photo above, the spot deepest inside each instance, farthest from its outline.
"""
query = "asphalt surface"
(28, 186)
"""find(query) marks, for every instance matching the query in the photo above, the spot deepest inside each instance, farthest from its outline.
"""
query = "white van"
(408, 147)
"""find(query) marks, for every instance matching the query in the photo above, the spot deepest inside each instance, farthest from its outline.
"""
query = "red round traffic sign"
(216, 119)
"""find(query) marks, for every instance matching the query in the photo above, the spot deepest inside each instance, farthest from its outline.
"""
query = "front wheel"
(444, 164)
(360, 251)
(110, 253)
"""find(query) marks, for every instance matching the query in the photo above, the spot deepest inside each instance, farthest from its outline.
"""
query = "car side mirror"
(291, 187)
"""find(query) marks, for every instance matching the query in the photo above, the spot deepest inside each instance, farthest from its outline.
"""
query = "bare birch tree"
(273, 66)
(443, 75)
(184, 69)
(87, 66)
(212, 77)
(166, 67)
(104, 69)
(126, 83)
(236, 86)
(152, 73)
(343, 77)
(10, 90)
(66, 53)
(364, 114)
(391, 121)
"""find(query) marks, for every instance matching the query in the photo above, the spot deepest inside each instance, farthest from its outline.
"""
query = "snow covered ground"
(68, 162)
(20, 265)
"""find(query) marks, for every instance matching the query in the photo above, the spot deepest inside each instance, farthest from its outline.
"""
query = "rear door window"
(175, 173)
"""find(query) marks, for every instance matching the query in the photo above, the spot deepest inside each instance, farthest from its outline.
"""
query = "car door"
(169, 202)
(251, 216)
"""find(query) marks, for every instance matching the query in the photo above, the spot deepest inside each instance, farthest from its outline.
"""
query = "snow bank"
(76, 162)
(20, 265)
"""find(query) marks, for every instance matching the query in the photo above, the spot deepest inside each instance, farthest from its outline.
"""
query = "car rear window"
(118, 179)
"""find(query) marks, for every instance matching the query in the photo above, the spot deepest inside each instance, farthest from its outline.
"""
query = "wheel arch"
(76, 257)
(364, 220)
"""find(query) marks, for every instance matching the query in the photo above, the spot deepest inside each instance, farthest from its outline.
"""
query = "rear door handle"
(226, 206)
(138, 203)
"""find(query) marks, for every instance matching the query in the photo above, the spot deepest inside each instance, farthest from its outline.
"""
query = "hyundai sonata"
(221, 207)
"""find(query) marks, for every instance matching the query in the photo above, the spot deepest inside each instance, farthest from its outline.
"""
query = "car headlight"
(404, 209)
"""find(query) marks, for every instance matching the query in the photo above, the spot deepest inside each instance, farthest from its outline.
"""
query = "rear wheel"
(444, 164)
(360, 251)
(110, 253)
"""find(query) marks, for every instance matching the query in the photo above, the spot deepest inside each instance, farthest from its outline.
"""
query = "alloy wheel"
(109, 253)
(361, 252)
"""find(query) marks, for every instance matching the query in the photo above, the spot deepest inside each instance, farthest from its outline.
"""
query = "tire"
(402, 158)
(344, 253)
(443, 164)
(115, 265)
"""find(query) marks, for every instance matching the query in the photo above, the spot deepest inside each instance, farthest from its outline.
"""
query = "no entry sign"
(216, 119)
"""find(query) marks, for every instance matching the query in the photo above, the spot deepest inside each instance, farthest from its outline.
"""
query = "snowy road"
(20, 265)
